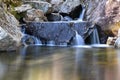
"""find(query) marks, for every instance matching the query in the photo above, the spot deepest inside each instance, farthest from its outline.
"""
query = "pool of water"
(60, 63)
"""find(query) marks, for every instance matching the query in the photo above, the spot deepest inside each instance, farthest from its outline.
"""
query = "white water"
(30, 40)
(82, 14)
(37, 41)
(51, 43)
(95, 37)
(63, 44)
(78, 39)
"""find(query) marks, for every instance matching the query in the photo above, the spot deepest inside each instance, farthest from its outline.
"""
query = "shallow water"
(60, 63)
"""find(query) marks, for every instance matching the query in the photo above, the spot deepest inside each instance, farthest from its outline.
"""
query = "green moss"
(12, 2)
(18, 15)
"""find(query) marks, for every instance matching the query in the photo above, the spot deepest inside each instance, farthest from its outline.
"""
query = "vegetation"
(9, 5)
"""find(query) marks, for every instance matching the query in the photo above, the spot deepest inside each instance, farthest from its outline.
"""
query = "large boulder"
(10, 34)
(68, 6)
(42, 5)
(6, 42)
(61, 31)
(56, 2)
(23, 8)
(35, 15)
(103, 12)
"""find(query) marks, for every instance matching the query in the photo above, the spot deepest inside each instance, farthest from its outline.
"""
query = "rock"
(111, 40)
(68, 6)
(23, 8)
(44, 6)
(9, 25)
(103, 12)
(56, 2)
(3, 34)
(60, 32)
(67, 18)
(35, 15)
(6, 43)
(114, 28)
(54, 17)
(117, 42)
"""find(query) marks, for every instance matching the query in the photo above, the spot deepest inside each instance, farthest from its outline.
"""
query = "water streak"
(30, 40)
(51, 43)
(78, 39)
(95, 37)
(82, 14)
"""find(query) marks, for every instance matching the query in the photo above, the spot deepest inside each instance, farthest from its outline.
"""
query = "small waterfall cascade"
(51, 43)
(78, 39)
(82, 14)
(37, 41)
(94, 37)
(63, 44)
(30, 40)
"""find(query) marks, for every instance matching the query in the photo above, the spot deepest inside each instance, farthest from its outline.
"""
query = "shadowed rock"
(61, 31)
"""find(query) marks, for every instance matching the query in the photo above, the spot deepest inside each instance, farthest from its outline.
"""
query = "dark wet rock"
(75, 13)
(67, 18)
(54, 17)
(61, 31)
(68, 6)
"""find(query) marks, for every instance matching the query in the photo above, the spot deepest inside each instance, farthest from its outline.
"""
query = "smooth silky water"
(60, 63)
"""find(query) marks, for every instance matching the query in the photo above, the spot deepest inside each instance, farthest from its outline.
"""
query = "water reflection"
(60, 63)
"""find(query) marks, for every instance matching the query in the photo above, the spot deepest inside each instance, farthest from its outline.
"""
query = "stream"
(61, 63)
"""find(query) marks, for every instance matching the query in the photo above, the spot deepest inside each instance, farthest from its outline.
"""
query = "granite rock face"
(6, 43)
(61, 31)
(42, 5)
(10, 34)
(35, 15)
(103, 12)
(68, 6)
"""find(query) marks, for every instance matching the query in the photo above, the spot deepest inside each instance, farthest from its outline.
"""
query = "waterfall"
(51, 43)
(82, 14)
(37, 41)
(29, 40)
(78, 39)
(63, 44)
(95, 37)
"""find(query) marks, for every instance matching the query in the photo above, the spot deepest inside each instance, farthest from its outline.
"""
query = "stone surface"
(56, 2)
(111, 40)
(23, 8)
(12, 34)
(103, 12)
(117, 42)
(3, 34)
(42, 5)
(7, 44)
(35, 15)
(61, 31)
(68, 6)
(54, 17)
